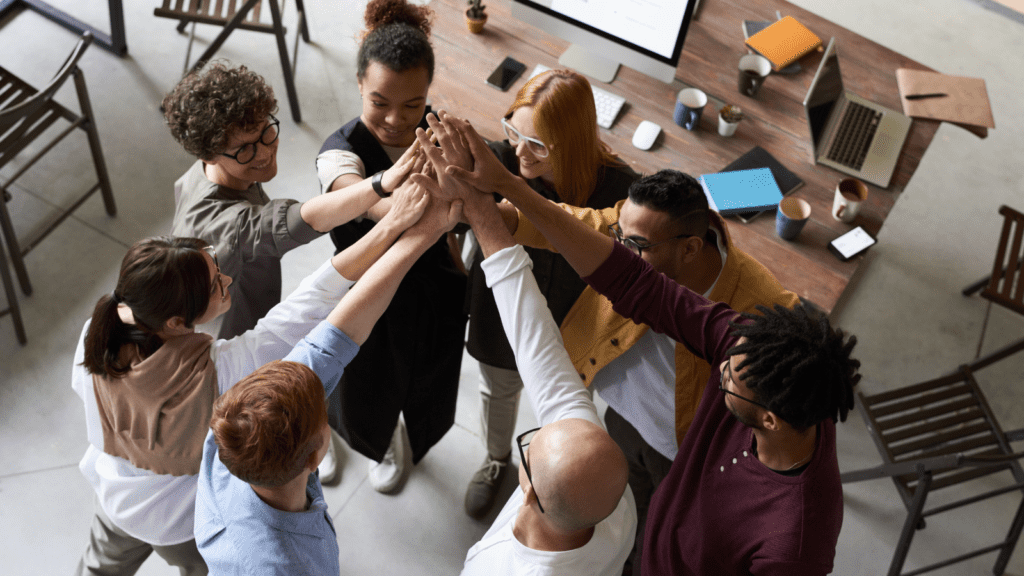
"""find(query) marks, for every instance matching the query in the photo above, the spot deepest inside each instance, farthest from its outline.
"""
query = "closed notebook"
(784, 42)
(741, 191)
(758, 157)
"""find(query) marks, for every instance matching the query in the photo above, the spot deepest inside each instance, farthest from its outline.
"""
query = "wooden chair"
(941, 434)
(12, 298)
(245, 15)
(1005, 286)
(25, 115)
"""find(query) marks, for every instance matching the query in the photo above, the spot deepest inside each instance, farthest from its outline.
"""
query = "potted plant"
(728, 119)
(475, 16)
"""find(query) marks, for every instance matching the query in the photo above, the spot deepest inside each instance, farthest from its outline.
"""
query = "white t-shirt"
(499, 553)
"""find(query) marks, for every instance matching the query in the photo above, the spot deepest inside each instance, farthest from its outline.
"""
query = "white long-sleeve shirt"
(556, 392)
(159, 508)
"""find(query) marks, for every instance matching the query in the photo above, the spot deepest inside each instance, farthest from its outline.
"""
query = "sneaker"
(330, 470)
(386, 475)
(483, 488)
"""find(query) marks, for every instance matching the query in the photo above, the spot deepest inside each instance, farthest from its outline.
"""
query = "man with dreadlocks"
(754, 488)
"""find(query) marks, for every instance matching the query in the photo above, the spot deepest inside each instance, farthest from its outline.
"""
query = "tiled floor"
(906, 309)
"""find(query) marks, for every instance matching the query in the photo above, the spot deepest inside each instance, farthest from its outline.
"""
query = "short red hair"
(269, 424)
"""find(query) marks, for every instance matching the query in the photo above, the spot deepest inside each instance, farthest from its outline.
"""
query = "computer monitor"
(646, 35)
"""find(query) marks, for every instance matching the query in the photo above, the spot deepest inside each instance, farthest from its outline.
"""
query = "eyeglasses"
(538, 148)
(523, 440)
(635, 246)
(217, 281)
(721, 386)
(247, 152)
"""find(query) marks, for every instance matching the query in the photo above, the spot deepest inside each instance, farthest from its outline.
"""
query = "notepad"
(741, 191)
(784, 42)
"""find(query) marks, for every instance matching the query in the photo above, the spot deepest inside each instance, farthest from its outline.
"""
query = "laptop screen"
(826, 88)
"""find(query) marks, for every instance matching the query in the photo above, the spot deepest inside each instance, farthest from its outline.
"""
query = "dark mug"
(754, 68)
(689, 104)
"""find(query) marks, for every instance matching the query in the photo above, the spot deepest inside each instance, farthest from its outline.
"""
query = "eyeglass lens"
(536, 147)
(269, 135)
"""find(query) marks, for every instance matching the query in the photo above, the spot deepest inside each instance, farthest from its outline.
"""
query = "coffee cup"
(689, 104)
(791, 217)
(754, 68)
(850, 194)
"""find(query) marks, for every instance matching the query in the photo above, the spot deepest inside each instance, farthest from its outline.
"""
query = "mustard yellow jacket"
(595, 335)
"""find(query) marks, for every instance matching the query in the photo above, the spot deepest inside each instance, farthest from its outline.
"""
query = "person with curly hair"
(148, 382)
(754, 488)
(552, 142)
(365, 160)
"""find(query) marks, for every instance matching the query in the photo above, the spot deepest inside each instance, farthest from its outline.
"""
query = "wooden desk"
(774, 118)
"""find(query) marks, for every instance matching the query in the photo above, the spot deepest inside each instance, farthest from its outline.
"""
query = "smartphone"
(506, 73)
(851, 244)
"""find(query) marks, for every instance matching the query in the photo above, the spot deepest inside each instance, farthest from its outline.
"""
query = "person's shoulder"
(340, 139)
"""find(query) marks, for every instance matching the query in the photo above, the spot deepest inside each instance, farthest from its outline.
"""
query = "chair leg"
(911, 525)
(302, 20)
(12, 299)
(94, 143)
(984, 326)
(1011, 541)
(17, 259)
(228, 28)
(286, 66)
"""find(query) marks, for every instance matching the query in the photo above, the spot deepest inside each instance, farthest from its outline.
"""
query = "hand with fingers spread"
(488, 175)
(440, 215)
(447, 188)
(408, 204)
(406, 163)
(453, 144)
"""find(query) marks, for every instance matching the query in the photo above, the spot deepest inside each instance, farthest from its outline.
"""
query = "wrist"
(377, 183)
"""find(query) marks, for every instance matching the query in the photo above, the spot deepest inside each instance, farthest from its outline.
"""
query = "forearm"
(489, 226)
(339, 206)
(582, 246)
(355, 260)
(364, 304)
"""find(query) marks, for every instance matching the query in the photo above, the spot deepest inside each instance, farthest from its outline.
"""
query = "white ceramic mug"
(850, 194)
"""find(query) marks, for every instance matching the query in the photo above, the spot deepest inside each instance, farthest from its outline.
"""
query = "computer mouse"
(645, 135)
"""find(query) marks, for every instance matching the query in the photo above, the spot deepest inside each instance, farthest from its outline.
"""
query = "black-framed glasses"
(721, 386)
(538, 148)
(523, 440)
(217, 281)
(247, 152)
(636, 247)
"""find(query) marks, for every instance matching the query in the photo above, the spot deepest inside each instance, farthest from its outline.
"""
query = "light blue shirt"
(237, 533)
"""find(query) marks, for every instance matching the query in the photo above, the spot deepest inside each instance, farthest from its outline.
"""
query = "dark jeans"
(647, 468)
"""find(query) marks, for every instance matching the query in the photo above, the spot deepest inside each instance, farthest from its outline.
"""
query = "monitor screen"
(646, 35)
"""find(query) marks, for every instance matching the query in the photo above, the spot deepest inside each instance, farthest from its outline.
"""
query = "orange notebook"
(784, 42)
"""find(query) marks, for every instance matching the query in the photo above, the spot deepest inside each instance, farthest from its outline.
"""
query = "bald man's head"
(579, 473)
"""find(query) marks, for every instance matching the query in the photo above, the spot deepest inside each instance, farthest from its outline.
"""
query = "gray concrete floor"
(905, 309)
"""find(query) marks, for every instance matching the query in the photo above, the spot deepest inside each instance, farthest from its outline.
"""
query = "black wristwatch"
(375, 181)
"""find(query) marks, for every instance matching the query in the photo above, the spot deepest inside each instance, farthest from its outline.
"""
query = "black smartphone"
(851, 244)
(506, 73)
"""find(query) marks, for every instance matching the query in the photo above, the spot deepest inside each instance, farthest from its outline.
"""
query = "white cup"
(850, 194)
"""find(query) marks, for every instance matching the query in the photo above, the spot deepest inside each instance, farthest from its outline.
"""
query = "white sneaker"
(330, 471)
(386, 475)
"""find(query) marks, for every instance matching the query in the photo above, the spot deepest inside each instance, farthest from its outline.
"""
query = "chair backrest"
(1006, 286)
(25, 103)
(216, 13)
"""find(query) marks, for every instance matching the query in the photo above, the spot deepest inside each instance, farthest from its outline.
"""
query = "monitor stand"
(586, 62)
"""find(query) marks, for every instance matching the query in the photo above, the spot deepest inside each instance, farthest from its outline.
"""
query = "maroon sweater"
(720, 510)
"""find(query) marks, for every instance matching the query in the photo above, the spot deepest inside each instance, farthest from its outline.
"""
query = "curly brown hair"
(397, 35)
(208, 104)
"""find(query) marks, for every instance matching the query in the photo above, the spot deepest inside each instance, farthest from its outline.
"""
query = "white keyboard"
(607, 104)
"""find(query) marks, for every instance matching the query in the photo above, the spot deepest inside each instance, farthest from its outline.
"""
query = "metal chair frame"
(935, 435)
(25, 115)
(245, 15)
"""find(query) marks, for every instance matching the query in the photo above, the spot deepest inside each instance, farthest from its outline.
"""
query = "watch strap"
(375, 181)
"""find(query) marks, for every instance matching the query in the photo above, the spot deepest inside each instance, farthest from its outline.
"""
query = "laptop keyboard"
(853, 137)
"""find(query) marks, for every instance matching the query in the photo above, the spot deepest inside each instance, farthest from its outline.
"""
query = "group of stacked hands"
(716, 454)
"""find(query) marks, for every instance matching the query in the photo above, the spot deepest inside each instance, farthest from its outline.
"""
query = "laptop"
(849, 133)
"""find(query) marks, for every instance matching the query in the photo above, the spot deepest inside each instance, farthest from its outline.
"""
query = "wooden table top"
(774, 118)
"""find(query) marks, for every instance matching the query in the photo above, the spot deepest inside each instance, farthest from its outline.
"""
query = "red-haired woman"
(553, 143)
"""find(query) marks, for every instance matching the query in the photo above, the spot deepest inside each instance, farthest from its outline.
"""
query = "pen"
(923, 96)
